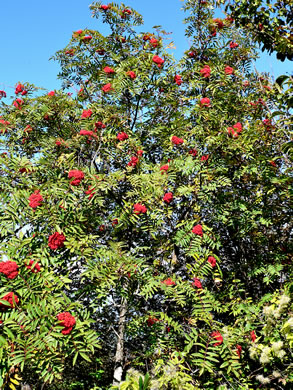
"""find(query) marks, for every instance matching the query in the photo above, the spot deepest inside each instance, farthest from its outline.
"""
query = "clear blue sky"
(33, 30)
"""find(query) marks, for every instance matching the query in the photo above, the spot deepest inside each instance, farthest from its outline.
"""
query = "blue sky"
(33, 30)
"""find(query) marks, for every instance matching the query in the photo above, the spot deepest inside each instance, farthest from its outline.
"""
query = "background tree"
(269, 22)
(156, 206)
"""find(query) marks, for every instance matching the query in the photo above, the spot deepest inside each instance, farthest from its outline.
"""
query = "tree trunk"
(119, 356)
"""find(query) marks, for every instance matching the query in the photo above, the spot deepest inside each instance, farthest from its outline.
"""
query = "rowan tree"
(145, 222)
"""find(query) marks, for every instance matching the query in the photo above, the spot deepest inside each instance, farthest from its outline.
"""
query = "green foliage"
(134, 381)
(270, 23)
